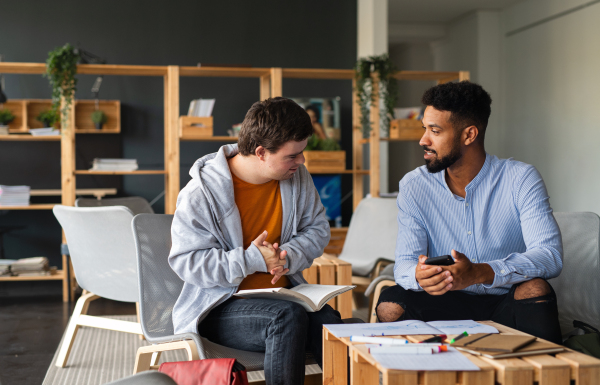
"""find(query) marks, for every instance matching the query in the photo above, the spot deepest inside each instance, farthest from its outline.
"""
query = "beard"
(440, 164)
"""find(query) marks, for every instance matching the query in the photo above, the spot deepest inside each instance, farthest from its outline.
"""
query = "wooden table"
(565, 368)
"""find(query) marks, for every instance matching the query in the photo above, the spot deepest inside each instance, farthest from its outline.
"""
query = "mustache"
(428, 149)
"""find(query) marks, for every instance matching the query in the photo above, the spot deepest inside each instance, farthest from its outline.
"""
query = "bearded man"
(492, 215)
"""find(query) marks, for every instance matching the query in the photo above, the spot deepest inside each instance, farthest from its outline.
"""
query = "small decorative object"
(61, 68)
(99, 118)
(48, 118)
(316, 144)
(5, 117)
(385, 69)
(235, 130)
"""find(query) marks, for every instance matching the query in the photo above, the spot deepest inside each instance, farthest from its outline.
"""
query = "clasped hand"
(437, 280)
(274, 258)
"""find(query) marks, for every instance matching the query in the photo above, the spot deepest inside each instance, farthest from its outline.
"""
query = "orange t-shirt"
(260, 209)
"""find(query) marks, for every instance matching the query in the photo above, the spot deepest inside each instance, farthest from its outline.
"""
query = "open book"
(410, 327)
(311, 297)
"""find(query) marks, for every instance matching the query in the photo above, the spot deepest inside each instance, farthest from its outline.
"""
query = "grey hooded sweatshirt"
(207, 251)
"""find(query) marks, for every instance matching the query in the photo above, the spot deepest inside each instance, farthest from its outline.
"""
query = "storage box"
(325, 161)
(329, 270)
(406, 129)
(194, 127)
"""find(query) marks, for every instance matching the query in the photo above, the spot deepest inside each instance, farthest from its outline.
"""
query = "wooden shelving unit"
(28, 110)
(35, 206)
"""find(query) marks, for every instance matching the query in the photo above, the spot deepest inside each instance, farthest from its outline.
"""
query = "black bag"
(588, 343)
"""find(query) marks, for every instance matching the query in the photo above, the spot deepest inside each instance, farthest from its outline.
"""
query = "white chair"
(137, 205)
(578, 285)
(103, 255)
(371, 240)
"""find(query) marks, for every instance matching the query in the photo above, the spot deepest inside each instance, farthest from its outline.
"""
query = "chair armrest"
(181, 337)
(374, 283)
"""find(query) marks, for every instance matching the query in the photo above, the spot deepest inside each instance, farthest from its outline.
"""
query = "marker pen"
(409, 349)
(440, 338)
(377, 340)
(461, 335)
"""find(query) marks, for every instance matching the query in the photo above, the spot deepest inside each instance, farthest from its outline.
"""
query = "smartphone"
(444, 260)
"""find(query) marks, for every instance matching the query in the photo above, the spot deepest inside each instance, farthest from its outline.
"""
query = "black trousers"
(536, 316)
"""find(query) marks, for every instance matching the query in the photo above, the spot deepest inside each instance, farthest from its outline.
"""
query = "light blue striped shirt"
(505, 220)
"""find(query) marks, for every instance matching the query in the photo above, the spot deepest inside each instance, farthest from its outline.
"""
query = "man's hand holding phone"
(433, 279)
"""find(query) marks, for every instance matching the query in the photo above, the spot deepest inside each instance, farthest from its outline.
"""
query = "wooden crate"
(563, 368)
(406, 129)
(336, 243)
(34, 107)
(329, 270)
(83, 116)
(195, 127)
(325, 161)
(19, 110)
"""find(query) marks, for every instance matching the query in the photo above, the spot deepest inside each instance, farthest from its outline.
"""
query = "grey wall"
(264, 33)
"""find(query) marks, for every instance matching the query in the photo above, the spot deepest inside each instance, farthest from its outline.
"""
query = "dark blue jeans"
(283, 330)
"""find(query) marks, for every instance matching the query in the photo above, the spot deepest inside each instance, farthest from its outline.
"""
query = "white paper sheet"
(409, 327)
(457, 327)
(450, 360)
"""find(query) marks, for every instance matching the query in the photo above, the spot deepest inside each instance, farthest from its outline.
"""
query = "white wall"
(551, 90)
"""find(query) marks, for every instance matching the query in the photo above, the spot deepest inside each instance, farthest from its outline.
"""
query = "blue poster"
(330, 191)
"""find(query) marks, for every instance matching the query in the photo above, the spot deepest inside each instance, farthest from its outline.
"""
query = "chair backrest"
(159, 285)
(371, 235)
(102, 249)
(578, 286)
(137, 205)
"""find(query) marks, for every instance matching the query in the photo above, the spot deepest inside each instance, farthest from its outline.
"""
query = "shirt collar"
(478, 178)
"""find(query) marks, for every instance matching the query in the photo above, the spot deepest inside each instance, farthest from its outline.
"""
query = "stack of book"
(201, 107)
(14, 195)
(44, 131)
(30, 266)
(114, 165)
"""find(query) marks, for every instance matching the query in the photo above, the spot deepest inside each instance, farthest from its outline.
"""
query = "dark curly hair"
(272, 123)
(468, 103)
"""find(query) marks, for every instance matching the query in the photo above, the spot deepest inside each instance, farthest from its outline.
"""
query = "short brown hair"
(272, 123)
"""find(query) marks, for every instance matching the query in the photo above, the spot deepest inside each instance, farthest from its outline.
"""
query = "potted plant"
(99, 118)
(48, 118)
(324, 155)
(5, 117)
(61, 68)
(384, 69)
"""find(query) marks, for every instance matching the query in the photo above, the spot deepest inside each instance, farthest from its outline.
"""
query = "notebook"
(508, 346)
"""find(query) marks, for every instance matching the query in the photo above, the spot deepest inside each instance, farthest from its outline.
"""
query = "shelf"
(59, 276)
(137, 172)
(210, 138)
(226, 72)
(97, 192)
(331, 172)
(302, 73)
(29, 138)
(86, 69)
(35, 206)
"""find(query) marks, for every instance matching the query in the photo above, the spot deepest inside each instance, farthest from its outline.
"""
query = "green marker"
(462, 335)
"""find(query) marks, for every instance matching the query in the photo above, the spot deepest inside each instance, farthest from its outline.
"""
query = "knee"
(536, 287)
(292, 314)
(389, 311)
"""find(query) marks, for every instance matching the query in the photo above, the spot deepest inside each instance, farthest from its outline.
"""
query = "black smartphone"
(444, 260)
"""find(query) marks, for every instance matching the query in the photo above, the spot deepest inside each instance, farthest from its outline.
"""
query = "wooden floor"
(30, 330)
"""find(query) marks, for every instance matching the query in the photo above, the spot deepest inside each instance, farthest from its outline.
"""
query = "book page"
(409, 327)
(457, 327)
(320, 294)
(279, 294)
(451, 360)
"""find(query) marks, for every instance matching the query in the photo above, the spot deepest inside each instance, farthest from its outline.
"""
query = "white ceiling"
(438, 11)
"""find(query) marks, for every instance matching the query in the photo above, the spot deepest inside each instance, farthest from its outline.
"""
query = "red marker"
(440, 338)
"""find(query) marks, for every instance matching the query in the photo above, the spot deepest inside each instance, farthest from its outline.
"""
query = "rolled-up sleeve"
(543, 256)
(410, 242)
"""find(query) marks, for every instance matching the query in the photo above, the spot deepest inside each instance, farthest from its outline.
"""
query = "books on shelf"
(201, 107)
(26, 267)
(105, 164)
(14, 195)
(44, 131)
(311, 297)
